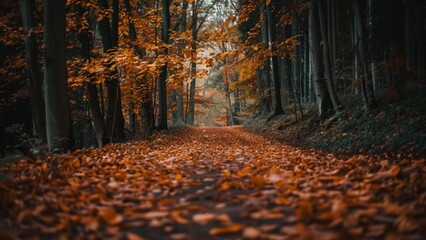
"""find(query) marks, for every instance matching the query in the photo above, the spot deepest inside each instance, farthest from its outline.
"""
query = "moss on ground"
(397, 128)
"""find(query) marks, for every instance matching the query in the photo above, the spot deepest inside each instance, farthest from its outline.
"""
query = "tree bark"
(272, 22)
(162, 85)
(58, 114)
(329, 72)
(180, 102)
(322, 97)
(147, 113)
(367, 90)
(92, 92)
(267, 95)
(35, 80)
(191, 110)
(114, 113)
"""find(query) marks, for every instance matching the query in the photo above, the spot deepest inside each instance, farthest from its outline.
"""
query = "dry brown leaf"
(90, 223)
(110, 216)
(203, 218)
(226, 230)
(264, 214)
(176, 216)
(156, 214)
(251, 233)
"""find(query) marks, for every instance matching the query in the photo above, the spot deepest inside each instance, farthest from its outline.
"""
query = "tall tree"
(162, 86)
(267, 62)
(196, 25)
(182, 29)
(271, 12)
(322, 96)
(58, 115)
(86, 43)
(194, 34)
(114, 113)
(329, 71)
(147, 112)
(367, 89)
(35, 80)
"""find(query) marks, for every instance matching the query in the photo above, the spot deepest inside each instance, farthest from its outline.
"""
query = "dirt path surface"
(212, 183)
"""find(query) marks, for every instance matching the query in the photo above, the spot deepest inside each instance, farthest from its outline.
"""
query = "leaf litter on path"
(212, 183)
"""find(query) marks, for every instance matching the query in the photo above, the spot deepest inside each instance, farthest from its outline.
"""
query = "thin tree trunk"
(58, 114)
(114, 113)
(180, 101)
(35, 80)
(98, 124)
(408, 36)
(367, 90)
(295, 61)
(326, 58)
(260, 91)
(228, 94)
(324, 106)
(162, 84)
(147, 113)
(272, 21)
(191, 110)
(267, 63)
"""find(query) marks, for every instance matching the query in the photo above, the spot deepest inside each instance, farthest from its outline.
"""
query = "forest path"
(212, 183)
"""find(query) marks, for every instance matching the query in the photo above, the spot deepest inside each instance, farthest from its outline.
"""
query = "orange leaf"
(224, 186)
(226, 230)
(110, 216)
(177, 218)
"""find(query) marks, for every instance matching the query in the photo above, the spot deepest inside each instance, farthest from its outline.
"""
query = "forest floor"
(396, 129)
(212, 183)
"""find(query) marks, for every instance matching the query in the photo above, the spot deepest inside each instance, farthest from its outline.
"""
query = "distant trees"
(132, 66)
(335, 48)
(123, 59)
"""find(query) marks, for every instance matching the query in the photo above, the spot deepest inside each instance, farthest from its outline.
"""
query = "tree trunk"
(191, 110)
(114, 113)
(58, 114)
(92, 91)
(162, 84)
(326, 58)
(147, 113)
(322, 97)
(267, 95)
(272, 22)
(179, 92)
(228, 94)
(367, 90)
(408, 36)
(35, 80)
(372, 39)
(295, 61)
(98, 124)
(260, 90)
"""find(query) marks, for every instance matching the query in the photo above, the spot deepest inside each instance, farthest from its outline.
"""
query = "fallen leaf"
(156, 214)
(251, 233)
(176, 216)
(226, 230)
(203, 218)
(110, 216)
